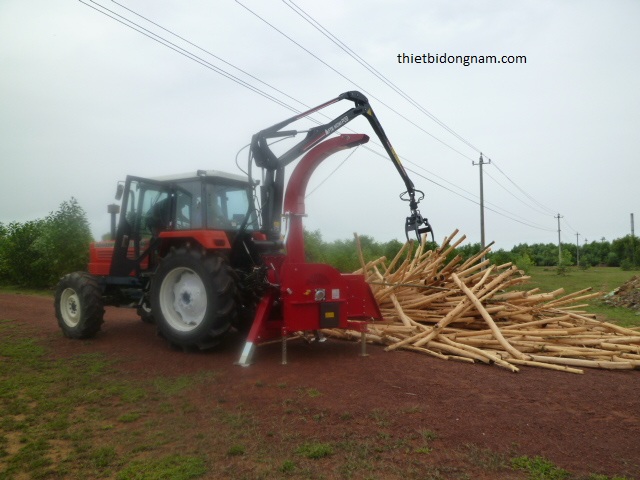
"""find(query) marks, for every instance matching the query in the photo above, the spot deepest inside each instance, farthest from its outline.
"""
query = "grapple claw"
(416, 223)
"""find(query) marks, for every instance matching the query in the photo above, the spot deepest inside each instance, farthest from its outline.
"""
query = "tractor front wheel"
(193, 299)
(78, 305)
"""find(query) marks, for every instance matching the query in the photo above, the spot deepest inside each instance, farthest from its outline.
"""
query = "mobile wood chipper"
(195, 255)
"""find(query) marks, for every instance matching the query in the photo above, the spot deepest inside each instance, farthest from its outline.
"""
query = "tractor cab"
(208, 207)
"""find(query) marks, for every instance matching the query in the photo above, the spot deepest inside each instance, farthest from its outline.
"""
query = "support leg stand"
(284, 349)
(363, 344)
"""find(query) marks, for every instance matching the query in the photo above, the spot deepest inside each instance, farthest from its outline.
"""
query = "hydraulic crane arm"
(273, 187)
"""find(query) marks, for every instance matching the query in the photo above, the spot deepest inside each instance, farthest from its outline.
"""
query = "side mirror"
(119, 190)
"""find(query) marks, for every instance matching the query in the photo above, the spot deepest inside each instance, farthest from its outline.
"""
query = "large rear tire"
(78, 305)
(193, 299)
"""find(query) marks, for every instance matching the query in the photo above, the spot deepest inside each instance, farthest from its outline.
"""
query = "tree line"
(36, 253)
(622, 252)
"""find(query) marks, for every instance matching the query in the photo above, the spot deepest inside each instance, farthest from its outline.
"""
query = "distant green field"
(601, 279)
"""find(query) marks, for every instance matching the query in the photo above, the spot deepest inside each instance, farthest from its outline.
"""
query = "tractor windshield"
(211, 204)
(227, 206)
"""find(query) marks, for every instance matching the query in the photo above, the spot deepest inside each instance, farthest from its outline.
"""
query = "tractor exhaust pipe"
(113, 209)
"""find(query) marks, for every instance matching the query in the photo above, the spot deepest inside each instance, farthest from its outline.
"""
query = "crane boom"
(273, 165)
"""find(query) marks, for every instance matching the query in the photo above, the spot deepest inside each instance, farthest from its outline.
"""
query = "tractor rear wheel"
(193, 299)
(78, 305)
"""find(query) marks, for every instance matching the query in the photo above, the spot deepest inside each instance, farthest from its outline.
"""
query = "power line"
(417, 165)
(568, 225)
(343, 46)
(298, 10)
(508, 215)
(157, 38)
(476, 197)
(230, 64)
(211, 54)
(307, 17)
(521, 190)
(513, 195)
(478, 203)
(163, 41)
(422, 176)
(333, 171)
(349, 80)
(172, 46)
(191, 56)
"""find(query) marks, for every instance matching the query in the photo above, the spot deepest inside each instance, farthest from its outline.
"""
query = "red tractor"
(197, 257)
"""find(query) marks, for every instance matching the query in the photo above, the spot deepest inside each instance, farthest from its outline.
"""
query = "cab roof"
(176, 177)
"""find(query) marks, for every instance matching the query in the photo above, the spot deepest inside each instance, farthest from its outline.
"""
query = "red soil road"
(586, 423)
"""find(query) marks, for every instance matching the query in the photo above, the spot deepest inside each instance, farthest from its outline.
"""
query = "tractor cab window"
(148, 209)
(189, 205)
(227, 207)
(155, 207)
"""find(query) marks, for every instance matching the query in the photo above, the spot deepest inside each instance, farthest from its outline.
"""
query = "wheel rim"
(183, 299)
(70, 307)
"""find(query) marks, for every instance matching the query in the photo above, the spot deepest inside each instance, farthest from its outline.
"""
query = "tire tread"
(90, 295)
(223, 288)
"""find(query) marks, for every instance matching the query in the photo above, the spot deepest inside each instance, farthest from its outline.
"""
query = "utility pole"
(633, 244)
(559, 244)
(577, 250)
(481, 163)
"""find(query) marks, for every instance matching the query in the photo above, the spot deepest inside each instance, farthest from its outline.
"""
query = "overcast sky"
(85, 101)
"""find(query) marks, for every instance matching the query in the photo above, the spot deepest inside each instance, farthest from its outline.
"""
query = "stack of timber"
(473, 311)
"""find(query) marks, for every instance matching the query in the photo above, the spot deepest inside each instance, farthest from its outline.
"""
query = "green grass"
(315, 450)
(485, 458)
(313, 392)
(174, 467)
(54, 412)
(82, 417)
(539, 468)
(129, 417)
(41, 292)
(380, 417)
(428, 435)
(103, 457)
(85, 417)
(287, 467)
(601, 279)
(235, 450)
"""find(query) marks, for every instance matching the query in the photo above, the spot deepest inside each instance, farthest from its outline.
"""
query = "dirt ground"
(586, 423)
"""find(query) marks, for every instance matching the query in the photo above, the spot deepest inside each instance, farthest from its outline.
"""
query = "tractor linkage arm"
(273, 187)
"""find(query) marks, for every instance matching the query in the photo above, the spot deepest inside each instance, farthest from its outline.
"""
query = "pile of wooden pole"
(473, 311)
